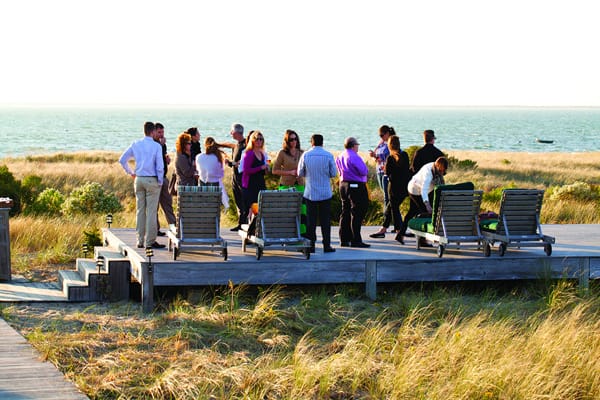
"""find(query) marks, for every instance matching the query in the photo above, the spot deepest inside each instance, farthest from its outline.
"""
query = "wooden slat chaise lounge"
(518, 222)
(198, 220)
(277, 223)
(453, 222)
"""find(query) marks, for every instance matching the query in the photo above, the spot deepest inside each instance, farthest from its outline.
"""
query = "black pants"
(321, 209)
(417, 206)
(395, 203)
(355, 202)
(236, 185)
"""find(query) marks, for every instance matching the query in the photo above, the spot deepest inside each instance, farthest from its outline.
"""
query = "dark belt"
(354, 182)
(208, 183)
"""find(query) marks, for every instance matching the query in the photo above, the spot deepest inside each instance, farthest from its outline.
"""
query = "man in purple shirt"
(353, 193)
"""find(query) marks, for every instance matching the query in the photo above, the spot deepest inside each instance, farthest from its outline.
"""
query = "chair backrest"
(437, 192)
(198, 212)
(457, 213)
(278, 214)
(520, 211)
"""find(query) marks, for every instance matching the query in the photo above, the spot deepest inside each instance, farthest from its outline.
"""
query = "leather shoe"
(409, 234)
(360, 245)
(235, 229)
(161, 233)
(345, 244)
(140, 246)
(312, 249)
(399, 239)
(377, 235)
(157, 245)
(328, 250)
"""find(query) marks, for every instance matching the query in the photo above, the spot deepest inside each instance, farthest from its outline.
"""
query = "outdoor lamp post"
(100, 263)
(149, 254)
(85, 248)
(109, 220)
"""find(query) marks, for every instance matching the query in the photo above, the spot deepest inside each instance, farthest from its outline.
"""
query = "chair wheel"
(307, 253)
(548, 249)
(487, 250)
(502, 249)
(440, 250)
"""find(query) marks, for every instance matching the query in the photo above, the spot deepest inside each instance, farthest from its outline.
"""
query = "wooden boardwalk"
(576, 255)
(24, 376)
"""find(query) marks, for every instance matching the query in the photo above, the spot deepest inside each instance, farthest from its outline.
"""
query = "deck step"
(87, 267)
(109, 254)
(68, 279)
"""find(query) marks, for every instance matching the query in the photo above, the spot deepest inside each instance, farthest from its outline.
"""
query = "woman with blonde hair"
(254, 167)
(184, 166)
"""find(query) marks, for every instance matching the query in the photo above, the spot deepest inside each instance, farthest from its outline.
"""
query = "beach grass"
(453, 341)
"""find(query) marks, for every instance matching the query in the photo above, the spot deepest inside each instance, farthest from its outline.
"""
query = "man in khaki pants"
(148, 178)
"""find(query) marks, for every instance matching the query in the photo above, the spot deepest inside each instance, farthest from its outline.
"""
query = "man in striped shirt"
(317, 166)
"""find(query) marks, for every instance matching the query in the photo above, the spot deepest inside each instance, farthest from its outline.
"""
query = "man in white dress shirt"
(148, 178)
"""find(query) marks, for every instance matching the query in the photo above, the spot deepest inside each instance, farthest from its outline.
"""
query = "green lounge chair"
(198, 220)
(453, 222)
(518, 223)
(277, 223)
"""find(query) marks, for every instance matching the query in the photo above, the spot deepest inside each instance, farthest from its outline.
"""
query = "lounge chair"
(454, 219)
(198, 220)
(518, 223)
(277, 223)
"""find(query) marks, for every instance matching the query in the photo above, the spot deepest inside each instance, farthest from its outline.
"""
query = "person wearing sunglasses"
(286, 166)
(254, 167)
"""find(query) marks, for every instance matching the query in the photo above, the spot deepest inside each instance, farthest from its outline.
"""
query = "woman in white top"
(210, 164)
(210, 167)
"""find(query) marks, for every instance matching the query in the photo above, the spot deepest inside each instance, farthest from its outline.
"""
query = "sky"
(309, 52)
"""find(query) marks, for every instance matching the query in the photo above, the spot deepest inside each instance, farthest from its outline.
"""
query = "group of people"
(308, 171)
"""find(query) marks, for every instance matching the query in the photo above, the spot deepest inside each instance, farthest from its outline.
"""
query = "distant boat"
(543, 140)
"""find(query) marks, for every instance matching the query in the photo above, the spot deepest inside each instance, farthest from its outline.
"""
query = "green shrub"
(579, 191)
(49, 202)
(31, 187)
(455, 163)
(10, 187)
(91, 199)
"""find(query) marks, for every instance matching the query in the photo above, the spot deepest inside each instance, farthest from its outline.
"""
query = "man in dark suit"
(426, 154)
(237, 133)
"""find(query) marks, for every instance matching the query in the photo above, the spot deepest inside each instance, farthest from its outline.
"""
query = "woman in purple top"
(353, 193)
(254, 167)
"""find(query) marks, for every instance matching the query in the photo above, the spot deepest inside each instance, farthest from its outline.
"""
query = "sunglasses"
(259, 138)
(292, 139)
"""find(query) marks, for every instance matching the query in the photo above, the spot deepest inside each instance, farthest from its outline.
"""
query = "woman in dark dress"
(254, 163)
(397, 170)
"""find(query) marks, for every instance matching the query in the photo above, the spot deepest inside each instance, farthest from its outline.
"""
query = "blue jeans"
(383, 181)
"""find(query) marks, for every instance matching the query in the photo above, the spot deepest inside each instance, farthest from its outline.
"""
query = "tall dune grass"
(444, 343)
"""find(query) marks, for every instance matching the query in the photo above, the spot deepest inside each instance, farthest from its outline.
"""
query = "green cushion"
(489, 225)
(421, 225)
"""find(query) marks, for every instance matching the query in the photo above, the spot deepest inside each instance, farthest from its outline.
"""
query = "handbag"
(173, 185)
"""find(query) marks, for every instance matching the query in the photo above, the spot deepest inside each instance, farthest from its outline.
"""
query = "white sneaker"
(173, 228)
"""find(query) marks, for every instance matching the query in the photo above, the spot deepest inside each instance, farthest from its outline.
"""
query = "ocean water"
(29, 131)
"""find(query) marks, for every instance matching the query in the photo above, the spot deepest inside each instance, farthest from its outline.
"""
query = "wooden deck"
(24, 376)
(576, 255)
